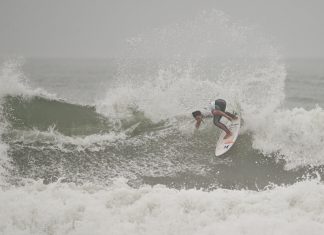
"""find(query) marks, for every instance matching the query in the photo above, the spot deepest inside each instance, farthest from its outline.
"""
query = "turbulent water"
(108, 146)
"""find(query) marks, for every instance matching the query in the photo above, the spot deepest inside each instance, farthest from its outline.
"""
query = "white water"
(68, 209)
(57, 140)
(13, 82)
(181, 85)
(176, 89)
(297, 135)
(4, 161)
(189, 74)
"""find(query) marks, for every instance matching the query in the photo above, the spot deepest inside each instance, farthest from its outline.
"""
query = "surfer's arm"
(209, 115)
(198, 121)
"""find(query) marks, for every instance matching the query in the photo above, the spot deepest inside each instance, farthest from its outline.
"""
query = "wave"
(23, 107)
(70, 119)
(295, 135)
(142, 129)
(60, 208)
(252, 80)
(41, 113)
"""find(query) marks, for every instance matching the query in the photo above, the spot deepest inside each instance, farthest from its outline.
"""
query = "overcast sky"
(98, 28)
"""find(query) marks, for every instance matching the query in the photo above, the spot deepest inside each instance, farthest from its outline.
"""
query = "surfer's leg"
(222, 126)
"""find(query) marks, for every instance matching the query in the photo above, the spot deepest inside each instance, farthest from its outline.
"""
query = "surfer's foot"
(227, 136)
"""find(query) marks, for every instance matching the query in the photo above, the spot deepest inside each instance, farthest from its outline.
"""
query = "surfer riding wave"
(217, 111)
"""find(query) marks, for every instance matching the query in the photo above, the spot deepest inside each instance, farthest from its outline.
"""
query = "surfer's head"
(196, 114)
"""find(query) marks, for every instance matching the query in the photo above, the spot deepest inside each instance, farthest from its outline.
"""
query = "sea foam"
(60, 208)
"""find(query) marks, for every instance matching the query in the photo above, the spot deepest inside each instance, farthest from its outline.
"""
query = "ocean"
(108, 146)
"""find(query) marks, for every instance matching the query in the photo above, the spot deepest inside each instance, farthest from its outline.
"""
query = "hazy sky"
(98, 28)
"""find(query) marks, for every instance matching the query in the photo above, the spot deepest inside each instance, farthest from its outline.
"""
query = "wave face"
(112, 143)
(41, 113)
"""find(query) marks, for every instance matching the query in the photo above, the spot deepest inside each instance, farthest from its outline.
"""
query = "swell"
(41, 113)
(69, 119)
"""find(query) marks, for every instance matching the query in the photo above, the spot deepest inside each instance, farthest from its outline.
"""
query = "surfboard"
(223, 145)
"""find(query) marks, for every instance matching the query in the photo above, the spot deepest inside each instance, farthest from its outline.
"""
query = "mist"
(84, 28)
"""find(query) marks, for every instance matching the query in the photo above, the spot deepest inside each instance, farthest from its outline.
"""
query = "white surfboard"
(223, 145)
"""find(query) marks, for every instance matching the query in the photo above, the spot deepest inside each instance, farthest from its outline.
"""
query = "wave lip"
(14, 82)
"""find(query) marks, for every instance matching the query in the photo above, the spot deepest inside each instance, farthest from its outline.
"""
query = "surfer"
(217, 111)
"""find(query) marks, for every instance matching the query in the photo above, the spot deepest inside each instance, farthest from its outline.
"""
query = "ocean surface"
(108, 146)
